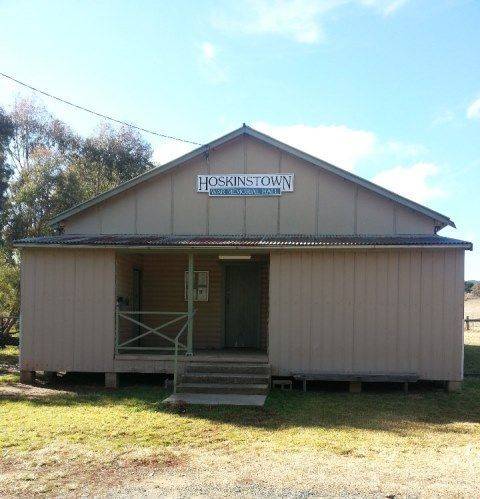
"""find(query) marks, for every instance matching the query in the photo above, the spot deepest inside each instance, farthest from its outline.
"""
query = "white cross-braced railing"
(130, 315)
(177, 345)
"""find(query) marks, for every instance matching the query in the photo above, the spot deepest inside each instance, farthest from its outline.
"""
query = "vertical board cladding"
(229, 211)
(371, 311)
(163, 290)
(68, 303)
(261, 212)
(170, 204)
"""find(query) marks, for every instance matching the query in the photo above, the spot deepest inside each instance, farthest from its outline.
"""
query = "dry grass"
(472, 337)
(81, 439)
(472, 307)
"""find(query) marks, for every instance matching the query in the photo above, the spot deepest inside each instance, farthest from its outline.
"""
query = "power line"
(159, 134)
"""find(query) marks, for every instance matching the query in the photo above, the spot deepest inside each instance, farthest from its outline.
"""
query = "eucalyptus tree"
(54, 168)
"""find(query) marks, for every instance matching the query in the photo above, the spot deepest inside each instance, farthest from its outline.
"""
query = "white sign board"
(245, 184)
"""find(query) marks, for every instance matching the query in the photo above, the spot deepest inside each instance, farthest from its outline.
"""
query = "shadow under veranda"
(381, 407)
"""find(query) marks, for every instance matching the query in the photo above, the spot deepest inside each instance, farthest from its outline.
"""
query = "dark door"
(242, 306)
(137, 300)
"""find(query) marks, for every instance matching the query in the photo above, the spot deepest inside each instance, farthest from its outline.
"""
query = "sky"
(388, 89)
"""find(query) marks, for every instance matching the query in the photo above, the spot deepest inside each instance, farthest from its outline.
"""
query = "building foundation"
(27, 377)
(454, 386)
(355, 386)
(111, 380)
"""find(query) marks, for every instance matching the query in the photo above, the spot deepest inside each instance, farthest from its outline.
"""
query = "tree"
(7, 130)
(476, 289)
(107, 159)
(9, 295)
(36, 129)
(55, 169)
(469, 285)
(39, 150)
(34, 197)
(46, 168)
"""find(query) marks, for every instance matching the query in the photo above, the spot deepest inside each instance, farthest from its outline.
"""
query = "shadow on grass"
(379, 407)
(472, 360)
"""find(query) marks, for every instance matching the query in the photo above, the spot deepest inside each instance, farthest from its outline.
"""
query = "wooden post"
(27, 377)
(355, 386)
(454, 386)
(467, 321)
(111, 380)
(190, 304)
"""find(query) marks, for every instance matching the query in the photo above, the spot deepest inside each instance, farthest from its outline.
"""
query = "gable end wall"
(322, 203)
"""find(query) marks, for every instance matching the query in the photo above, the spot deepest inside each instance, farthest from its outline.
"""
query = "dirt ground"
(74, 439)
(420, 454)
(472, 308)
(303, 474)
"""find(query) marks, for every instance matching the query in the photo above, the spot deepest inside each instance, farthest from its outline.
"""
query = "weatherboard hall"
(241, 260)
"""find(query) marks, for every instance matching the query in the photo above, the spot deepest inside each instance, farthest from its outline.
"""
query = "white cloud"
(165, 152)
(443, 118)
(391, 7)
(297, 19)
(386, 7)
(473, 110)
(208, 51)
(413, 182)
(300, 20)
(210, 65)
(400, 151)
(337, 144)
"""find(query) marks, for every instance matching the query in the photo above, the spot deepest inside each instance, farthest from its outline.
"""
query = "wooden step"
(246, 389)
(233, 368)
(225, 378)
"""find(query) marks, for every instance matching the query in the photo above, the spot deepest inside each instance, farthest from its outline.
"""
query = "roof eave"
(251, 248)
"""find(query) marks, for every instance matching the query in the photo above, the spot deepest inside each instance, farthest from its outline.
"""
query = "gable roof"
(248, 131)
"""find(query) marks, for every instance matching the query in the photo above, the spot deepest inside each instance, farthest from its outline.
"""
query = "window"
(200, 285)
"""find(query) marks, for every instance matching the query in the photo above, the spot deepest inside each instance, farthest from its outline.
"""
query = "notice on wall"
(245, 184)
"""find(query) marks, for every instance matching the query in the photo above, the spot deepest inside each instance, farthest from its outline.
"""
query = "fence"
(472, 324)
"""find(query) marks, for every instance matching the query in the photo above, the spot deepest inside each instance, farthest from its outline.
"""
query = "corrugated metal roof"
(255, 241)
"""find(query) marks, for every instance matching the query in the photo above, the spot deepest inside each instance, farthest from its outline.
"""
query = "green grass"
(92, 425)
(8, 365)
(134, 417)
(9, 355)
(472, 352)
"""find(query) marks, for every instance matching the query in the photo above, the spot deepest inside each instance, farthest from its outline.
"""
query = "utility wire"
(159, 134)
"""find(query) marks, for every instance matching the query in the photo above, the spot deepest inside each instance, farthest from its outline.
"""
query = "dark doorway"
(242, 305)
(137, 298)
